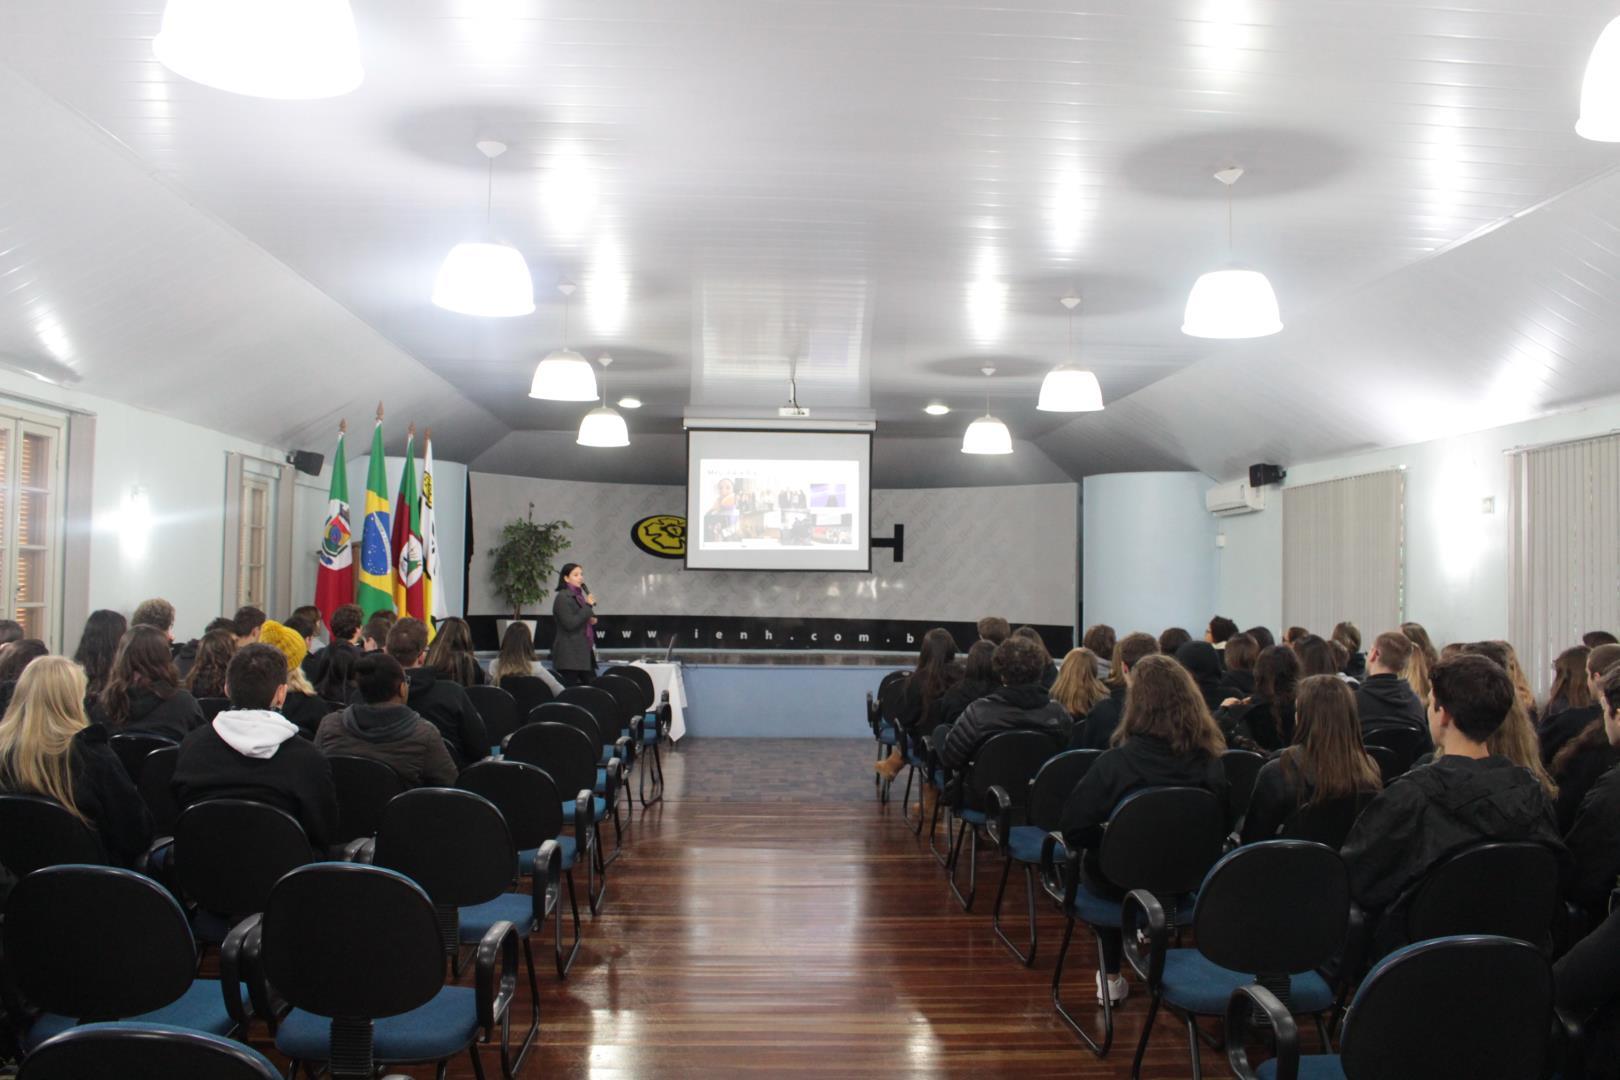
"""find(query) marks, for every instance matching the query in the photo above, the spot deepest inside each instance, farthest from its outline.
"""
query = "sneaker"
(1117, 988)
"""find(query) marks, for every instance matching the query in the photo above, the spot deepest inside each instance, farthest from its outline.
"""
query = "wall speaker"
(1262, 475)
(306, 461)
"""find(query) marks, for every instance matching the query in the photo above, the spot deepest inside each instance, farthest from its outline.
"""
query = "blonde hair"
(1077, 688)
(36, 736)
(1516, 740)
(297, 680)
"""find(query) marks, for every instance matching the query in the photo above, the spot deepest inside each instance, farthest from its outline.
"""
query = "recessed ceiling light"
(629, 403)
(935, 408)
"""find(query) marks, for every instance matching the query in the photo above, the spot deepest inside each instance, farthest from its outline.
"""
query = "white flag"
(432, 584)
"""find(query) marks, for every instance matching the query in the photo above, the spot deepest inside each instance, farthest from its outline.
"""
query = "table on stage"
(667, 676)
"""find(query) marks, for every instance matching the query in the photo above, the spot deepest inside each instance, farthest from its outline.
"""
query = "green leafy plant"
(523, 560)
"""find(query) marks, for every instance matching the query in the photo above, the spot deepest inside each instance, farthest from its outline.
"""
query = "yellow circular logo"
(662, 535)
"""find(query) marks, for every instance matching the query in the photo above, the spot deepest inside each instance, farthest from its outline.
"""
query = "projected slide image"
(779, 505)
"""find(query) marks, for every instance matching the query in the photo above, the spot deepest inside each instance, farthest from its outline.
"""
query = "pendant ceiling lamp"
(564, 375)
(290, 49)
(1600, 89)
(603, 426)
(1234, 302)
(483, 277)
(987, 435)
(1067, 387)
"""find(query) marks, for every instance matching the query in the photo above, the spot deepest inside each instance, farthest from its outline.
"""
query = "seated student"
(251, 751)
(380, 725)
(1049, 671)
(1582, 758)
(1173, 639)
(1326, 762)
(1263, 638)
(1569, 689)
(1265, 719)
(517, 658)
(1098, 730)
(1077, 687)
(1586, 984)
(1101, 641)
(143, 690)
(98, 646)
(1384, 700)
(158, 613)
(1293, 634)
(1591, 639)
(14, 659)
(1166, 739)
(247, 622)
(1315, 656)
(337, 676)
(451, 654)
(10, 630)
(1516, 738)
(1467, 796)
(917, 710)
(49, 747)
(302, 705)
(978, 679)
(1220, 631)
(1020, 704)
(1238, 678)
(1594, 839)
(207, 675)
(1347, 635)
(306, 623)
(374, 635)
(994, 629)
(440, 702)
(1203, 663)
(1424, 657)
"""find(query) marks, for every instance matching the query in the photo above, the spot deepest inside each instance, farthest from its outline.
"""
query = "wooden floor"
(771, 918)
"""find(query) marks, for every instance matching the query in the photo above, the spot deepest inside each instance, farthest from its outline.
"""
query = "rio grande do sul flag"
(407, 540)
(433, 601)
(376, 591)
(334, 581)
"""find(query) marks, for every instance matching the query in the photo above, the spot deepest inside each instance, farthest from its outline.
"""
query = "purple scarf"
(590, 628)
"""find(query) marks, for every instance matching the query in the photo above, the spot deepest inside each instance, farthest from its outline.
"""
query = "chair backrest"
(566, 754)
(36, 831)
(1326, 822)
(132, 748)
(228, 853)
(1406, 743)
(643, 679)
(1473, 1006)
(157, 790)
(1163, 840)
(627, 693)
(1055, 783)
(1388, 762)
(454, 844)
(600, 704)
(528, 691)
(1241, 767)
(1009, 760)
(890, 684)
(364, 786)
(144, 1050)
(498, 709)
(97, 942)
(1506, 889)
(524, 794)
(213, 706)
(569, 715)
(349, 940)
(1279, 907)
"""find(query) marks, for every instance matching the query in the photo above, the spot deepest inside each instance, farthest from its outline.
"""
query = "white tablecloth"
(667, 676)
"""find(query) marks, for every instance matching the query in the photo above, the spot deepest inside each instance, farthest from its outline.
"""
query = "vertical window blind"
(1563, 549)
(1344, 553)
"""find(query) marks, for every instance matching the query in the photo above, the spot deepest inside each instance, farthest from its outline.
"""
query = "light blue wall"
(1149, 554)
(785, 701)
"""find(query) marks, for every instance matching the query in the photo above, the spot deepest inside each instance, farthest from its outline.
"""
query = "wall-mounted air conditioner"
(1226, 500)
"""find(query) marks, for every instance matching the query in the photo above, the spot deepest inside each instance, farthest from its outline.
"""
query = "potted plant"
(523, 568)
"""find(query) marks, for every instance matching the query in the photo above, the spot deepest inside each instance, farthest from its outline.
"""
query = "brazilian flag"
(376, 589)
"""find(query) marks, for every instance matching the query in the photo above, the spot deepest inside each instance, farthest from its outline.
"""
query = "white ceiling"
(893, 193)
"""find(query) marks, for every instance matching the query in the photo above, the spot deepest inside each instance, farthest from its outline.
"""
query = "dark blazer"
(570, 649)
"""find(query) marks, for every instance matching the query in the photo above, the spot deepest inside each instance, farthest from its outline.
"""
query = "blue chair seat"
(1194, 984)
(569, 809)
(442, 1028)
(514, 907)
(601, 779)
(939, 777)
(200, 1008)
(972, 817)
(1094, 910)
(886, 735)
(565, 845)
(1024, 843)
(915, 759)
(649, 737)
(1311, 1067)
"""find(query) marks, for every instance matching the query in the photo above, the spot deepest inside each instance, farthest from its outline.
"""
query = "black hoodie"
(447, 707)
(1204, 664)
(1098, 727)
(1563, 726)
(1387, 701)
(960, 696)
(395, 736)
(173, 717)
(104, 795)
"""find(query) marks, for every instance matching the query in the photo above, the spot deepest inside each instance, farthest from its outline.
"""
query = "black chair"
(1388, 762)
(228, 854)
(356, 950)
(97, 943)
(643, 679)
(132, 748)
(1163, 840)
(1475, 1007)
(213, 706)
(157, 791)
(1503, 889)
(1050, 789)
(528, 691)
(610, 720)
(1007, 761)
(920, 769)
(939, 776)
(1326, 822)
(1406, 743)
(364, 786)
(1241, 768)
(880, 716)
(145, 1050)
(1271, 912)
(531, 803)
(498, 709)
(36, 831)
(568, 756)
(629, 694)
(609, 776)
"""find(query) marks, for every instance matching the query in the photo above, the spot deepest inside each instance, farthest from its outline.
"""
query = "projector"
(792, 411)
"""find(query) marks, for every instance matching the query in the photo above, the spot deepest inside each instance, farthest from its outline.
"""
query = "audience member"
(1315, 656)
(978, 679)
(250, 751)
(1203, 663)
(440, 702)
(1516, 738)
(48, 747)
(206, 679)
(1521, 683)
(222, 622)
(1098, 730)
(374, 635)
(1421, 662)
(1384, 700)
(1166, 739)
(158, 613)
(1020, 704)
(1265, 719)
(337, 675)
(18, 655)
(1263, 638)
(10, 630)
(517, 657)
(1579, 760)
(306, 622)
(1220, 631)
(1326, 763)
(1238, 678)
(920, 697)
(301, 704)
(1172, 639)
(98, 645)
(143, 689)
(994, 629)
(247, 622)
(1347, 635)
(1591, 639)
(1293, 634)
(1569, 688)
(1077, 687)
(1594, 839)
(381, 726)
(1586, 981)
(1049, 671)
(451, 654)
(1100, 640)
(1467, 796)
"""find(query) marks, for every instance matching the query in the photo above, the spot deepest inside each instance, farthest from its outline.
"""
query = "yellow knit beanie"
(288, 641)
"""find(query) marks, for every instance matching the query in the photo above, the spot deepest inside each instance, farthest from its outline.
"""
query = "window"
(254, 576)
(1343, 553)
(30, 521)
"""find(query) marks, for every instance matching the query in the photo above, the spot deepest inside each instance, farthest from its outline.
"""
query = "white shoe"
(1117, 988)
